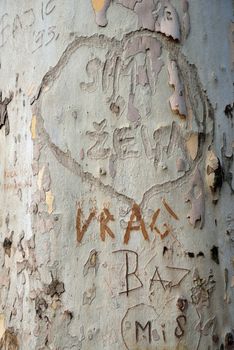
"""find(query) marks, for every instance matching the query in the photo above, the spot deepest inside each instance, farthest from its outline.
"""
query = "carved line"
(131, 308)
(106, 42)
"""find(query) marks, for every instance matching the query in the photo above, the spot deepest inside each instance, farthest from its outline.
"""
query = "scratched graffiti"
(114, 127)
(132, 279)
(124, 135)
(142, 330)
(136, 223)
(12, 181)
(28, 20)
(113, 209)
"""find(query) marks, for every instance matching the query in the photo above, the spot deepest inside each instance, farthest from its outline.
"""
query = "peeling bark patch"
(49, 201)
(68, 314)
(114, 108)
(192, 146)
(226, 279)
(40, 306)
(2, 325)
(196, 197)
(180, 165)
(231, 39)
(91, 263)
(177, 100)
(229, 341)
(229, 110)
(182, 304)
(227, 160)
(55, 287)
(33, 127)
(165, 249)
(215, 254)
(214, 174)
(112, 165)
(89, 295)
(168, 21)
(4, 113)
(200, 254)
(186, 18)
(146, 75)
(191, 255)
(9, 341)
(7, 246)
(100, 7)
(232, 282)
(158, 16)
(215, 338)
(218, 179)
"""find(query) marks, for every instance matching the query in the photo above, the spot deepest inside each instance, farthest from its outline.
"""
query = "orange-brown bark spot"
(98, 4)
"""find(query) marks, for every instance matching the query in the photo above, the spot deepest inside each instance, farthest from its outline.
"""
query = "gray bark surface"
(116, 175)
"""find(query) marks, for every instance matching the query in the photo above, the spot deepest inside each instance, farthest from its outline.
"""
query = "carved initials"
(138, 325)
(80, 231)
(136, 219)
(105, 217)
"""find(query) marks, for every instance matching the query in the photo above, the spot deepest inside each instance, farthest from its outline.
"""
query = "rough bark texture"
(116, 174)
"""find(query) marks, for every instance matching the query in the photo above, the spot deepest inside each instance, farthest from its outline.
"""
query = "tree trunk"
(116, 170)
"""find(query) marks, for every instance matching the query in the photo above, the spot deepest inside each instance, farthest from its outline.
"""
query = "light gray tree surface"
(116, 175)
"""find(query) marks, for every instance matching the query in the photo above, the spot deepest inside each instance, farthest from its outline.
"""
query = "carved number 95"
(44, 38)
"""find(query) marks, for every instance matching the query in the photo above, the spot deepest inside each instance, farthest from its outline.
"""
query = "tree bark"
(116, 174)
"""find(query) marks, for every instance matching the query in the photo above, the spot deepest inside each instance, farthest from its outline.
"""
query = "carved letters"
(92, 69)
(26, 20)
(105, 217)
(98, 150)
(139, 327)
(129, 273)
(81, 229)
(135, 224)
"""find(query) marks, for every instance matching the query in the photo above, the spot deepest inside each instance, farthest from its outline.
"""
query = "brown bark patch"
(9, 341)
